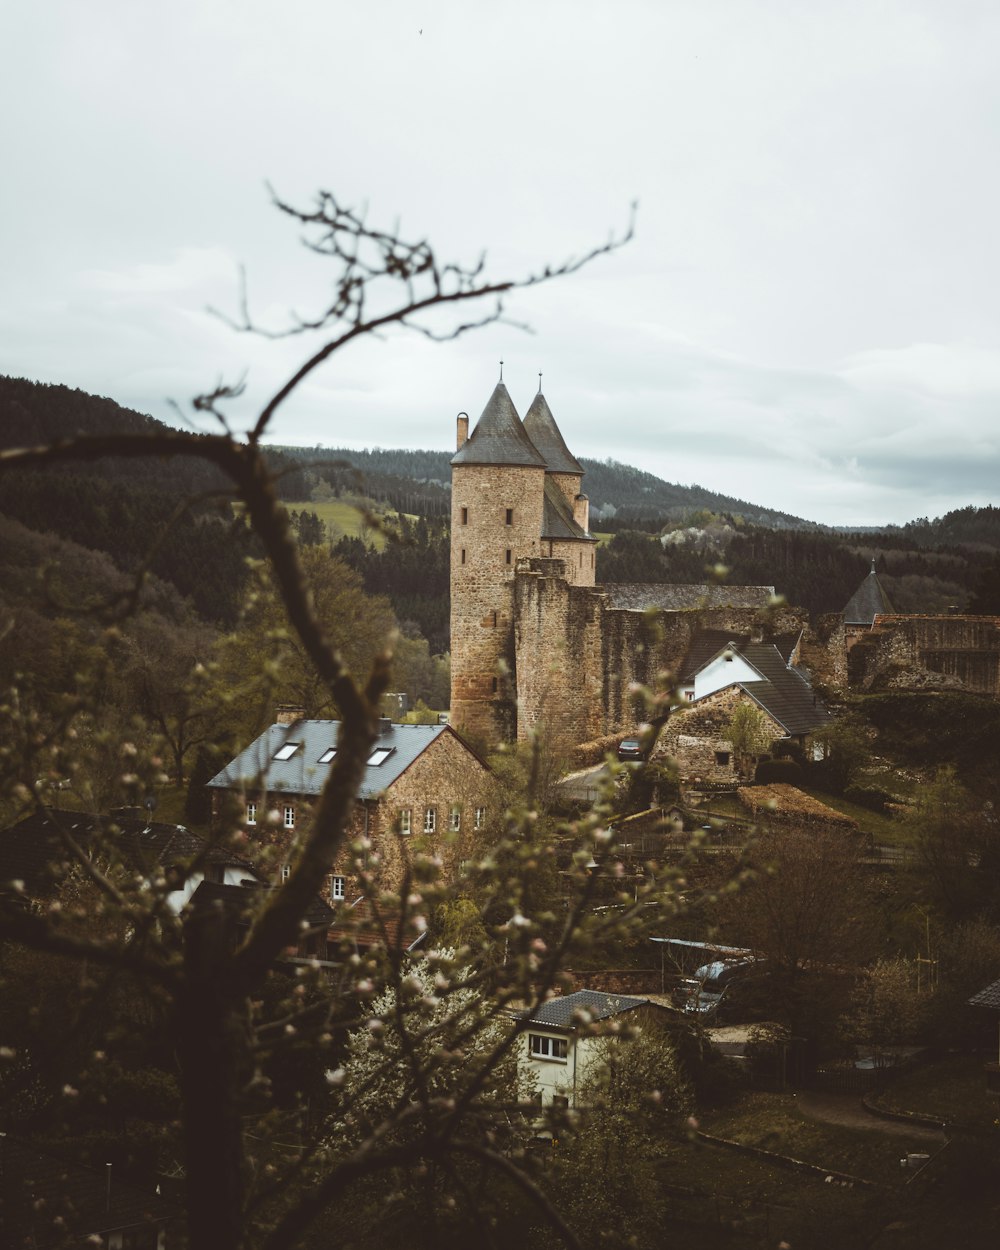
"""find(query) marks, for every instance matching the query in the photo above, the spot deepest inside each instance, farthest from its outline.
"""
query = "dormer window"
(286, 750)
(327, 755)
(379, 756)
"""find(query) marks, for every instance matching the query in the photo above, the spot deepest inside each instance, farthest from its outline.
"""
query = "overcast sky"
(807, 318)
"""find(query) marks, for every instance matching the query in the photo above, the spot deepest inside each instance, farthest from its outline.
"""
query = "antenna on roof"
(501, 370)
(539, 381)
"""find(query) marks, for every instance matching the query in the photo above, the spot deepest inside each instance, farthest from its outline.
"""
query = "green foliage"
(787, 772)
(940, 728)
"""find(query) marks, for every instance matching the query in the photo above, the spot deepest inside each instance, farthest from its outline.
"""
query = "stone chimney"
(384, 726)
(463, 430)
(289, 713)
(581, 512)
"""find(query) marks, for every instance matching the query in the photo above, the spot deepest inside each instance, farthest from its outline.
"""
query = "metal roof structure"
(499, 436)
(989, 997)
(307, 745)
(540, 426)
(560, 1013)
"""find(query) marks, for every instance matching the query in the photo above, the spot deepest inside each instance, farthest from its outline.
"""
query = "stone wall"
(929, 652)
(695, 737)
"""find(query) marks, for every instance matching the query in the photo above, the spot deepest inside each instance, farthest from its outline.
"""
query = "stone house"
(558, 1052)
(424, 788)
(720, 672)
(534, 642)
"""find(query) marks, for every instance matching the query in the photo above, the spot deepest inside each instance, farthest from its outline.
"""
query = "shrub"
(787, 771)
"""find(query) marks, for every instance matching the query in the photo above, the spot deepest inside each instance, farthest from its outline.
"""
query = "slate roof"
(557, 517)
(989, 997)
(255, 768)
(558, 1013)
(33, 851)
(783, 692)
(638, 596)
(540, 426)
(499, 436)
(867, 602)
(36, 1190)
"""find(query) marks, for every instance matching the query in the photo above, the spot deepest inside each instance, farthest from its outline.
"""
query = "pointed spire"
(544, 433)
(868, 601)
(499, 436)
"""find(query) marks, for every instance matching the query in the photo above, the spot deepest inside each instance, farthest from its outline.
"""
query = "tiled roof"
(783, 692)
(705, 646)
(34, 852)
(638, 596)
(256, 768)
(558, 1013)
(867, 601)
(46, 1201)
(541, 428)
(557, 518)
(989, 997)
(356, 924)
(499, 436)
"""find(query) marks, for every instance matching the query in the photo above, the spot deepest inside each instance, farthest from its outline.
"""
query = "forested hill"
(616, 491)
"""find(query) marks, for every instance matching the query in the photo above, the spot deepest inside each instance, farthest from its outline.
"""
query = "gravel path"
(850, 1111)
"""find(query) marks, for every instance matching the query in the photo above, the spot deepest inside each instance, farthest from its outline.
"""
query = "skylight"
(328, 755)
(379, 756)
(286, 750)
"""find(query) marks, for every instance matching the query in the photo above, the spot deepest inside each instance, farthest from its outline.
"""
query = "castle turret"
(497, 506)
(565, 532)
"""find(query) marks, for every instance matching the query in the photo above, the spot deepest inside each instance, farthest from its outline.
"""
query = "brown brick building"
(424, 788)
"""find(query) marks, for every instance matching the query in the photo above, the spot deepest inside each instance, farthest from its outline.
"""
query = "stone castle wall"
(922, 652)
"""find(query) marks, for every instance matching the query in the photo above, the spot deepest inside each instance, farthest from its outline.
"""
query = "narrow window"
(480, 817)
(510, 516)
(251, 813)
(496, 685)
(456, 818)
(463, 555)
(592, 559)
(336, 888)
(430, 819)
(289, 816)
(465, 516)
(581, 559)
(405, 821)
(507, 555)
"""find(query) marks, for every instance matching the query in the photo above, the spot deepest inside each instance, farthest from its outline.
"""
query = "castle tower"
(566, 517)
(497, 507)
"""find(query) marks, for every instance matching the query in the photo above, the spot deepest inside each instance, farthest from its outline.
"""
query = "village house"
(423, 788)
(559, 1052)
(720, 672)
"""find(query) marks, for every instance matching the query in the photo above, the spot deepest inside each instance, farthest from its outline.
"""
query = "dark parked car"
(631, 749)
(725, 990)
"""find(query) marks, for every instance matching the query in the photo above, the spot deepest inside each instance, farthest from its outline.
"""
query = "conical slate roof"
(499, 436)
(544, 433)
(867, 601)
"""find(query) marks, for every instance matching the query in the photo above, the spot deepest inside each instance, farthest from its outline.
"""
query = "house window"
(456, 819)
(480, 817)
(463, 555)
(379, 756)
(337, 888)
(405, 820)
(560, 1100)
(327, 755)
(251, 813)
(507, 555)
(510, 516)
(689, 695)
(430, 819)
(543, 1047)
(286, 871)
(286, 750)
(722, 758)
(289, 816)
(465, 516)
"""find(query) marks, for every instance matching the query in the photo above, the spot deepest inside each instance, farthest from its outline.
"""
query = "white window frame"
(455, 823)
(327, 756)
(289, 816)
(405, 821)
(480, 818)
(338, 888)
(251, 818)
(430, 819)
(551, 1049)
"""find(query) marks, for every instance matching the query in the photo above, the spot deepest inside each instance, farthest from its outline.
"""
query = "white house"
(559, 1051)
